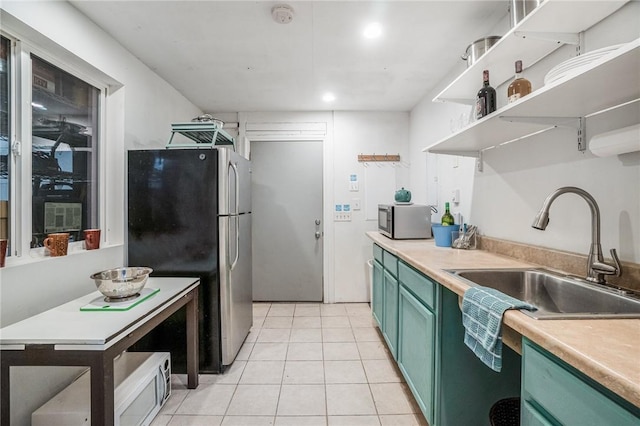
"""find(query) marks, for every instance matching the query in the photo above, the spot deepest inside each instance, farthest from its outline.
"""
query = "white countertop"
(69, 328)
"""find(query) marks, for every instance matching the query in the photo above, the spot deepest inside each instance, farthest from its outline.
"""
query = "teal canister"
(403, 195)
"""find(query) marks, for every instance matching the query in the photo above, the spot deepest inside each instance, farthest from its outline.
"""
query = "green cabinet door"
(532, 417)
(565, 396)
(377, 292)
(390, 317)
(417, 350)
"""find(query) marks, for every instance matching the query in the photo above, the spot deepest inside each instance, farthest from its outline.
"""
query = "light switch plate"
(342, 216)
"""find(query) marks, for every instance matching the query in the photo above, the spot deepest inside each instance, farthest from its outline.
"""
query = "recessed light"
(328, 97)
(373, 30)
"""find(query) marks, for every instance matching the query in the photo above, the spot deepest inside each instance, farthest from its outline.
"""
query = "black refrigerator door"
(173, 228)
(172, 211)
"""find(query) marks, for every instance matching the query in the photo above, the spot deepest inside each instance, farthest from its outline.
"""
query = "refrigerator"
(189, 214)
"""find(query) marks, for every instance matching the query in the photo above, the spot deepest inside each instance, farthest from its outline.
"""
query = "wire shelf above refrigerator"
(204, 134)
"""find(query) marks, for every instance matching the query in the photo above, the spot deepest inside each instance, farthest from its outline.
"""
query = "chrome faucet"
(596, 266)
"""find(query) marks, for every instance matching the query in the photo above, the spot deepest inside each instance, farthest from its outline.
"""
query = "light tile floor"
(302, 364)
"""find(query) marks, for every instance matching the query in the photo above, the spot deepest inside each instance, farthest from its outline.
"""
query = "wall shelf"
(544, 30)
(606, 83)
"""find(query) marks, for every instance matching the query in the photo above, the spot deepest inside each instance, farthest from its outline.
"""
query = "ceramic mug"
(91, 239)
(57, 243)
(3, 251)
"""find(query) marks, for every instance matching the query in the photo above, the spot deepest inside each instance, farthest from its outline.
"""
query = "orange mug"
(3, 251)
(91, 239)
(57, 243)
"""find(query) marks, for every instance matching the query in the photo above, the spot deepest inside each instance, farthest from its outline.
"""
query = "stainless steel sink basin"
(556, 296)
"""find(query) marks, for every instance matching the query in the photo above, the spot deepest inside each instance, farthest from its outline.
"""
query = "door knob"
(318, 234)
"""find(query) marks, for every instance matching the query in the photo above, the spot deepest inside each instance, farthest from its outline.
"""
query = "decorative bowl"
(121, 284)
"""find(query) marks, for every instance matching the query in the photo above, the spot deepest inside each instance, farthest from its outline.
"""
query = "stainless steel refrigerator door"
(234, 192)
(236, 290)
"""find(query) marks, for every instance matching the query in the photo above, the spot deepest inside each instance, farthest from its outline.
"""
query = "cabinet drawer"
(377, 253)
(566, 396)
(419, 284)
(390, 263)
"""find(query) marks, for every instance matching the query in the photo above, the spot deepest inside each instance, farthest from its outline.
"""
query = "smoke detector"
(282, 13)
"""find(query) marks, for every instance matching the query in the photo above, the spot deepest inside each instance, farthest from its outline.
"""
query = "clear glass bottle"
(486, 98)
(520, 86)
(447, 217)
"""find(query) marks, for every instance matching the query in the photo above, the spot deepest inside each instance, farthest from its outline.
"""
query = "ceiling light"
(373, 30)
(328, 97)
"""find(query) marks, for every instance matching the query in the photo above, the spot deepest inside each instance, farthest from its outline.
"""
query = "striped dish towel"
(482, 310)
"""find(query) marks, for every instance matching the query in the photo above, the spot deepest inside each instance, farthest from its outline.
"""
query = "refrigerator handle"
(235, 260)
(234, 167)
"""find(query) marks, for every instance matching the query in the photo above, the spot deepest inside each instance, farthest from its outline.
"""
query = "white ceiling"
(228, 56)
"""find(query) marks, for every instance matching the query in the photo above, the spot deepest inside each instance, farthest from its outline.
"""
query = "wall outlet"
(455, 196)
(355, 204)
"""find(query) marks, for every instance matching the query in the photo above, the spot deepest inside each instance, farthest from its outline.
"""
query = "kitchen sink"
(556, 296)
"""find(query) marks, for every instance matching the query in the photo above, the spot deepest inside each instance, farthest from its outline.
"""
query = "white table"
(67, 336)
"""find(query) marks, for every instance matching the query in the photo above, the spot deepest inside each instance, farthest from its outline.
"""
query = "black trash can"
(505, 412)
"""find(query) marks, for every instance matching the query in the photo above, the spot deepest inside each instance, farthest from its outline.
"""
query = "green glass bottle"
(447, 218)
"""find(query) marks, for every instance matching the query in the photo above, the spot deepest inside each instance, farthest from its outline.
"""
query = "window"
(5, 54)
(50, 118)
(63, 153)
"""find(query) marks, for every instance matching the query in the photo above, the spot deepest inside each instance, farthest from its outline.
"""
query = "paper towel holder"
(615, 142)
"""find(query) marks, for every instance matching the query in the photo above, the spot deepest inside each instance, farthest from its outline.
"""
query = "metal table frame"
(101, 361)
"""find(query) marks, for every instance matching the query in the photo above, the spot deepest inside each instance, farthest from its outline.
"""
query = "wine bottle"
(486, 98)
(519, 87)
(447, 218)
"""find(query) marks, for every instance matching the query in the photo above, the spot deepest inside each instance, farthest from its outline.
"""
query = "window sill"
(40, 254)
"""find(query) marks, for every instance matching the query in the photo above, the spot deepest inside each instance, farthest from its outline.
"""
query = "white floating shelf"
(606, 83)
(544, 30)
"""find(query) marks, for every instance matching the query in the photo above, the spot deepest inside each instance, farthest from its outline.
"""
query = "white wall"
(518, 177)
(141, 107)
(364, 133)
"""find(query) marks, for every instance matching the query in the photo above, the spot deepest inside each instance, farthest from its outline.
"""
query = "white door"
(286, 191)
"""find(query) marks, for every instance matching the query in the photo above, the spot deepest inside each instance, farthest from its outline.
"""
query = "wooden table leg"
(192, 341)
(5, 414)
(102, 390)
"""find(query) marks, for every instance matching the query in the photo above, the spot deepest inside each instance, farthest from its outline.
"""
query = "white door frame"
(264, 127)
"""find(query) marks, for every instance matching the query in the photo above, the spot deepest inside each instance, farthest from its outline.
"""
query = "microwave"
(404, 221)
(142, 382)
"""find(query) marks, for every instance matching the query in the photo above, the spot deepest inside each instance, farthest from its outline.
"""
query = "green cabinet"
(416, 350)
(390, 321)
(385, 296)
(422, 325)
(554, 393)
(377, 292)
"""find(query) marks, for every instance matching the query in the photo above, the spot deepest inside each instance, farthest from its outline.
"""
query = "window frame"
(20, 143)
